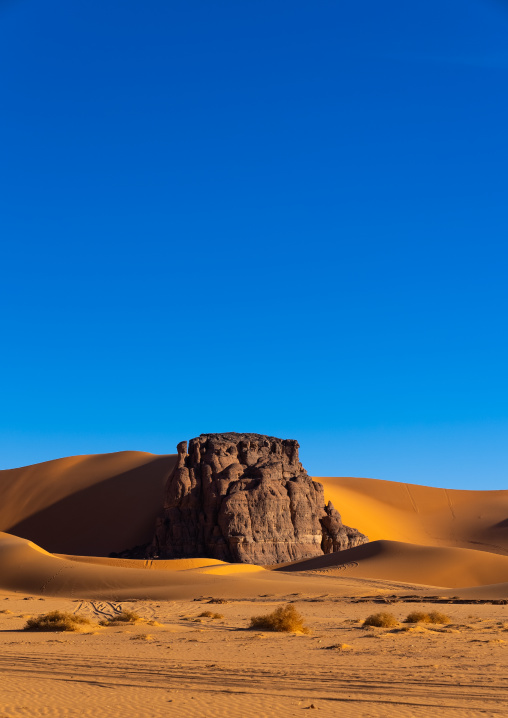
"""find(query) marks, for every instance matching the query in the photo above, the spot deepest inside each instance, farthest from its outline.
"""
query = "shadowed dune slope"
(411, 563)
(422, 514)
(90, 505)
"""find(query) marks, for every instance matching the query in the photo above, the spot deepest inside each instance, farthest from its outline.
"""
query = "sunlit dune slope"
(422, 514)
(411, 563)
(177, 564)
(86, 504)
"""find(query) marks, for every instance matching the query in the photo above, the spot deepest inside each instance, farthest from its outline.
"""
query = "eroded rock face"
(246, 498)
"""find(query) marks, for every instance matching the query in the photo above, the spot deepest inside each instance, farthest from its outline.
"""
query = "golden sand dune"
(379, 567)
(103, 503)
(422, 514)
(26, 568)
(411, 563)
(94, 505)
(90, 505)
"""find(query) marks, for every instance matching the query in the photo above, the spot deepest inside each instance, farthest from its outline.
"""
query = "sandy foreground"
(214, 667)
(431, 549)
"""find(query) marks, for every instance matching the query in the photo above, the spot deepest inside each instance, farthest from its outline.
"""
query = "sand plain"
(431, 548)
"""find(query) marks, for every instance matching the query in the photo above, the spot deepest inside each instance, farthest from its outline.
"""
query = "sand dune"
(28, 569)
(90, 505)
(78, 510)
(412, 563)
(98, 504)
(379, 567)
(422, 514)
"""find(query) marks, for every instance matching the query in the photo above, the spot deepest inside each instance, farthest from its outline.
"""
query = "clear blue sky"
(287, 217)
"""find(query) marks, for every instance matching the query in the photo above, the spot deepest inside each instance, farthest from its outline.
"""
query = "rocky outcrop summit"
(246, 498)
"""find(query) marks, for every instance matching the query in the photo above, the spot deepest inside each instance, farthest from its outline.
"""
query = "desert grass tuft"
(57, 621)
(210, 614)
(432, 617)
(120, 619)
(381, 620)
(285, 619)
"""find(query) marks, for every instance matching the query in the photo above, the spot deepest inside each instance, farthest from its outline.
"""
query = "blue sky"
(281, 217)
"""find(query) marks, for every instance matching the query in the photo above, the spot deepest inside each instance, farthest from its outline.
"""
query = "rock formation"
(246, 498)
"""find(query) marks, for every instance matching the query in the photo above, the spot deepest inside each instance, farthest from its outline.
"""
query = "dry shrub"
(217, 600)
(421, 617)
(120, 619)
(285, 619)
(438, 617)
(417, 617)
(381, 620)
(210, 614)
(57, 621)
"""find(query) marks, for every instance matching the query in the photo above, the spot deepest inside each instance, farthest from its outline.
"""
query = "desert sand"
(422, 514)
(430, 548)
